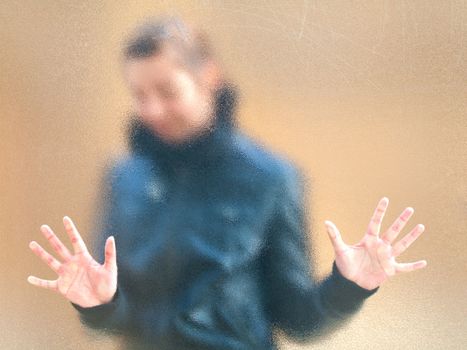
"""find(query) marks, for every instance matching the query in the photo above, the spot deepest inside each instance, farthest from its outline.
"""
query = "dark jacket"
(212, 246)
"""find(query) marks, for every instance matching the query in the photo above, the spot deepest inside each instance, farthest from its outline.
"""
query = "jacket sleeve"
(296, 302)
(115, 315)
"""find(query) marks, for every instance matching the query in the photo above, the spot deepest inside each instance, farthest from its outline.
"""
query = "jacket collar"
(204, 149)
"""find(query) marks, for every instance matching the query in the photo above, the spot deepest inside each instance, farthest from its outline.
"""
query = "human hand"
(372, 260)
(81, 279)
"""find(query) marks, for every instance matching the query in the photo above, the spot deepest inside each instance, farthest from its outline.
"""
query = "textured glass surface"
(368, 98)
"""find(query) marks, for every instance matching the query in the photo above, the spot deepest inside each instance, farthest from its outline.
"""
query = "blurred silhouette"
(203, 229)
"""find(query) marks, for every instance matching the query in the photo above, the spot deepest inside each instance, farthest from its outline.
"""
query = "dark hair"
(152, 36)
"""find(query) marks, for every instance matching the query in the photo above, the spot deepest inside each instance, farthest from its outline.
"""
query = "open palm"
(81, 279)
(373, 260)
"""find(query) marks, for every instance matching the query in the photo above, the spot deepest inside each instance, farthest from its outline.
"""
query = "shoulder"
(127, 171)
(268, 164)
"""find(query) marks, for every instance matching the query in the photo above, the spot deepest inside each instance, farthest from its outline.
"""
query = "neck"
(205, 146)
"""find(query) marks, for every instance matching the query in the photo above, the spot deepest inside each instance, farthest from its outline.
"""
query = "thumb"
(110, 254)
(335, 237)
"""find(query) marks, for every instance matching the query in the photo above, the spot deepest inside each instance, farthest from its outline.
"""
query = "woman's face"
(173, 102)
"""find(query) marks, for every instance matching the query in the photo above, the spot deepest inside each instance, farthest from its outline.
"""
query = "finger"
(335, 237)
(56, 244)
(46, 257)
(110, 254)
(397, 225)
(408, 267)
(409, 238)
(47, 284)
(78, 244)
(375, 223)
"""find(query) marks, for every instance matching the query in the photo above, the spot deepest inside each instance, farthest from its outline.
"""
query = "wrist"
(93, 301)
(365, 284)
(359, 284)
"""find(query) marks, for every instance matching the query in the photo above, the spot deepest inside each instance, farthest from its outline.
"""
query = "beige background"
(368, 97)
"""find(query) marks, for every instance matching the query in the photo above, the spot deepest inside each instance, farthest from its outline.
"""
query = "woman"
(209, 226)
